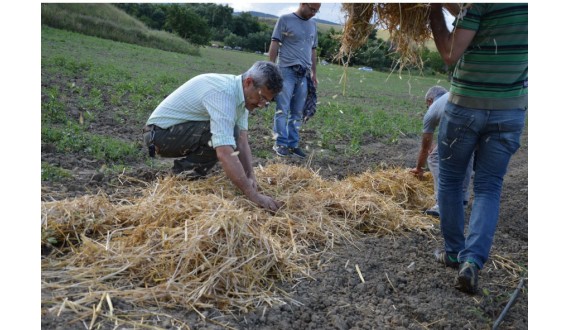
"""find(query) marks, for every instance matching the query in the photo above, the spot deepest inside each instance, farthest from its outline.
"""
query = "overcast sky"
(329, 11)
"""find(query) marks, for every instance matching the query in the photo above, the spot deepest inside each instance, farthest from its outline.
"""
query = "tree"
(329, 44)
(257, 41)
(245, 24)
(187, 24)
(152, 15)
(233, 40)
(218, 17)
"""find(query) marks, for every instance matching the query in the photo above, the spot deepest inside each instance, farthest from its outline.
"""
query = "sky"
(329, 11)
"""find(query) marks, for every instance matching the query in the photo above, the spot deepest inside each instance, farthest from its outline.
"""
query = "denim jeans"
(289, 110)
(495, 135)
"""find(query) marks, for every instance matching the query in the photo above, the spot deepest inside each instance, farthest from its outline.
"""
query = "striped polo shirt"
(213, 97)
(493, 71)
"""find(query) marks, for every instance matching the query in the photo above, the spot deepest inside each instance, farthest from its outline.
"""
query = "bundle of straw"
(357, 27)
(407, 23)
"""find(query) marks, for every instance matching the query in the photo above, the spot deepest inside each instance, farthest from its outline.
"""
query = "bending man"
(206, 120)
(436, 98)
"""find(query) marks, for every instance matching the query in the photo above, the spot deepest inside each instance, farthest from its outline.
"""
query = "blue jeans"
(495, 137)
(289, 110)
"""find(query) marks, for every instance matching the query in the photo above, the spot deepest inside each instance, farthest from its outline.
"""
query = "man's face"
(308, 10)
(256, 97)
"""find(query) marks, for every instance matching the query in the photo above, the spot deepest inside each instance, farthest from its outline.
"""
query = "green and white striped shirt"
(217, 98)
(493, 71)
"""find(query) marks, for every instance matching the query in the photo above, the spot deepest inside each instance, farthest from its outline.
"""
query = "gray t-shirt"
(434, 113)
(298, 37)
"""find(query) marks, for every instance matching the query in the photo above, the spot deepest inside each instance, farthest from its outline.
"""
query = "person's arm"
(235, 172)
(245, 157)
(314, 67)
(427, 139)
(273, 50)
(449, 45)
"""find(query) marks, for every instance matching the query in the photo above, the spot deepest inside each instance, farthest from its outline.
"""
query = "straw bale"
(201, 244)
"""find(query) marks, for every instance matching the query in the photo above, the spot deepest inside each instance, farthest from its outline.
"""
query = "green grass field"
(132, 80)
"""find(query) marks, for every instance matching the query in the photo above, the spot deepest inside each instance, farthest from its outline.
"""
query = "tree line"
(203, 23)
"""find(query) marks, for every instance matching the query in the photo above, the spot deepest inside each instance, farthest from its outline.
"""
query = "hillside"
(109, 22)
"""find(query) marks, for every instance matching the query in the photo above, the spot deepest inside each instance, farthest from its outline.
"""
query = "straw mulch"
(201, 244)
(407, 23)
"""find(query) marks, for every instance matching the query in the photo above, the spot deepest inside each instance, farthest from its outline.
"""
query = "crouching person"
(206, 120)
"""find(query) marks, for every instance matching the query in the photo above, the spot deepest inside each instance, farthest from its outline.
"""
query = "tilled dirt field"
(403, 287)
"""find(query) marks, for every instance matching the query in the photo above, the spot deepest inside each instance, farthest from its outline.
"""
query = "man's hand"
(267, 202)
(418, 172)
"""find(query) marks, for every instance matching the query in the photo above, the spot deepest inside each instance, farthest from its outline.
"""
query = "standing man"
(436, 98)
(294, 39)
(206, 120)
(486, 111)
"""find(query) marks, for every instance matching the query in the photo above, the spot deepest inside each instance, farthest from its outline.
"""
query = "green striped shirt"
(493, 71)
(213, 97)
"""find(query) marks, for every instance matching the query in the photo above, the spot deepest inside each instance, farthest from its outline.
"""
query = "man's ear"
(248, 81)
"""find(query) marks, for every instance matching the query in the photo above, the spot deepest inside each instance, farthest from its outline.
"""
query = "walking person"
(486, 110)
(436, 98)
(293, 46)
(206, 120)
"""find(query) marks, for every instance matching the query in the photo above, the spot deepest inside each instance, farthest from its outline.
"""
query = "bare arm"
(234, 170)
(245, 157)
(450, 45)
(314, 67)
(427, 139)
(273, 50)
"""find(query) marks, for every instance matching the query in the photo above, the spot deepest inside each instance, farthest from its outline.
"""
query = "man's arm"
(273, 50)
(450, 45)
(245, 157)
(314, 67)
(427, 139)
(235, 172)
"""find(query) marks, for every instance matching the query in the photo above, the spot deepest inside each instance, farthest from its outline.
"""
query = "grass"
(73, 139)
(104, 79)
(53, 173)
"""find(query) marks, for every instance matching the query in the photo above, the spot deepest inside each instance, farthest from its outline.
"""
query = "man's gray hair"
(435, 92)
(265, 73)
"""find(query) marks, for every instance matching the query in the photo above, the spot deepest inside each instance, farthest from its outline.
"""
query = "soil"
(403, 287)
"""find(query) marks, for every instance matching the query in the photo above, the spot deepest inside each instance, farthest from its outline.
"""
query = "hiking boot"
(434, 211)
(467, 278)
(443, 258)
(282, 151)
(297, 152)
